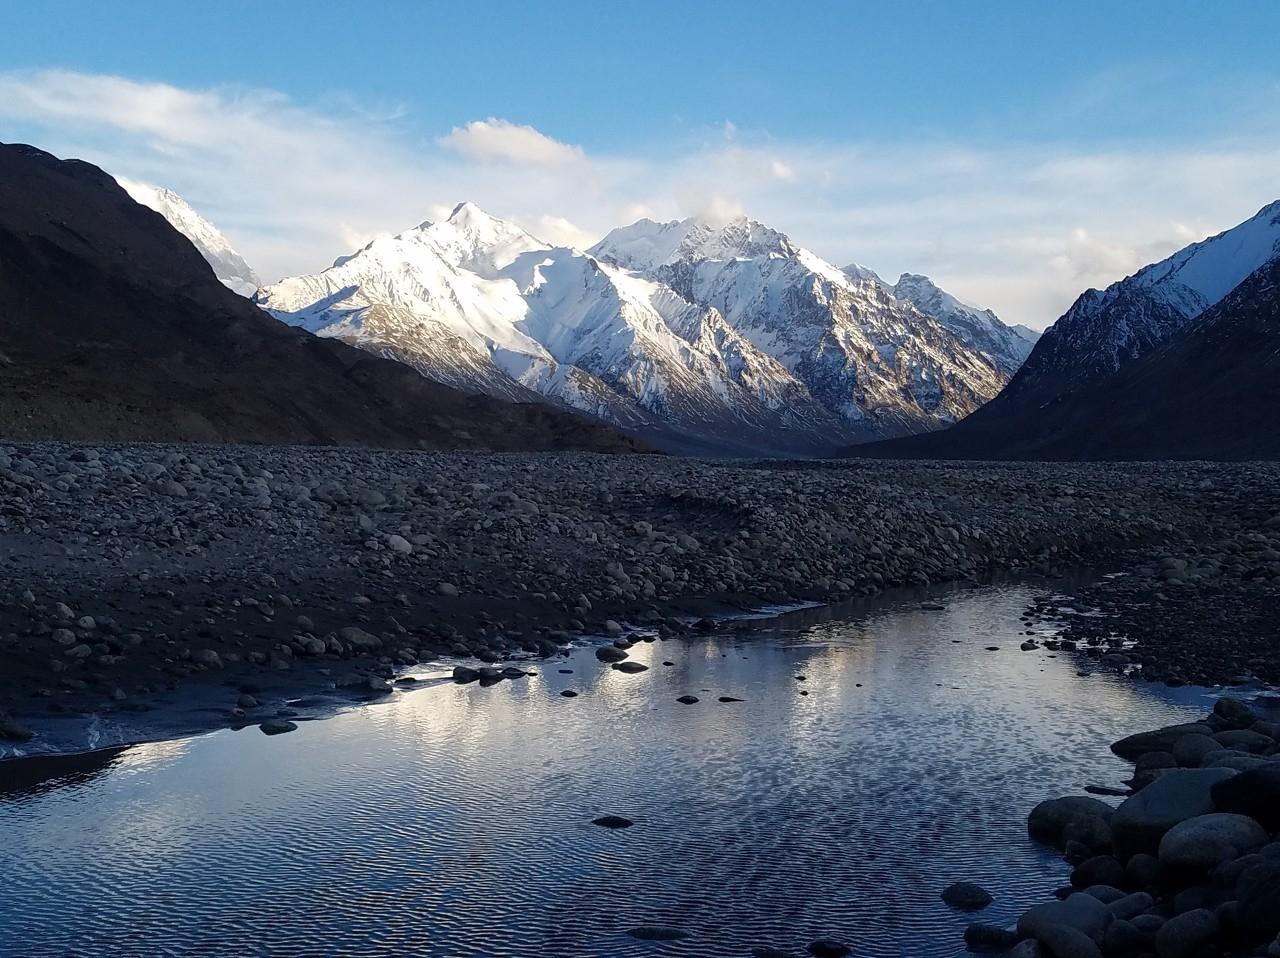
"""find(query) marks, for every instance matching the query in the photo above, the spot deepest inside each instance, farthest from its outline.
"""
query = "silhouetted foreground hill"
(113, 327)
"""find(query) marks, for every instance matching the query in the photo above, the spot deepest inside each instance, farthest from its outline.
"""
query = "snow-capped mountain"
(228, 265)
(1104, 330)
(726, 336)
(1006, 346)
(479, 303)
(875, 361)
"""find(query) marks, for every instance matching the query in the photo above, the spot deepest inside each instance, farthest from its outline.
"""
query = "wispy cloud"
(495, 139)
(1022, 227)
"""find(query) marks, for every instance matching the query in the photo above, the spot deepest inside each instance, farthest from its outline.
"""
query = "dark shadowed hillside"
(1212, 391)
(112, 326)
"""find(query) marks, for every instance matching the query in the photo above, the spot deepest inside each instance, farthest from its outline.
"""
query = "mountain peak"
(860, 273)
(228, 265)
(467, 212)
(646, 245)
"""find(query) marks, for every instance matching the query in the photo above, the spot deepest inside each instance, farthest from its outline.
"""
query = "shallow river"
(455, 820)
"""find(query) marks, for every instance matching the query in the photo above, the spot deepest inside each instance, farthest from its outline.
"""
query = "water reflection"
(454, 820)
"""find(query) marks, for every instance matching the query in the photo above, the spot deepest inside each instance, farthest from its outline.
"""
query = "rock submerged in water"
(688, 700)
(631, 668)
(612, 821)
(1049, 821)
(828, 948)
(277, 727)
(658, 933)
(966, 896)
(984, 937)
(609, 653)
(14, 731)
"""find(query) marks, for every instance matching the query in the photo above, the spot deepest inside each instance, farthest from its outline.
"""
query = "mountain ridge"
(1117, 376)
(116, 328)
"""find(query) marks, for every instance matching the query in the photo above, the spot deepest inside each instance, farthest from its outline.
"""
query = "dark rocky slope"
(1212, 391)
(113, 327)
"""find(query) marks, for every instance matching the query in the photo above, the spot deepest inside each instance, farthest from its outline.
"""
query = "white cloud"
(781, 171)
(1020, 228)
(495, 139)
(557, 231)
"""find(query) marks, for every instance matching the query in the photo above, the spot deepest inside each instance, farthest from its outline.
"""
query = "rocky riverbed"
(139, 569)
(1201, 613)
(1188, 866)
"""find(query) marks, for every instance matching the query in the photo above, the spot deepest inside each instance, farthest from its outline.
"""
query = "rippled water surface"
(454, 820)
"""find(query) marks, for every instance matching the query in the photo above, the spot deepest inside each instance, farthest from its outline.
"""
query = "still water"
(454, 820)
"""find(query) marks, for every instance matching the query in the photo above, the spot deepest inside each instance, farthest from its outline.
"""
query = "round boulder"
(1190, 749)
(1255, 793)
(1082, 912)
(1099, 870)
(1200, 843)
(1159, 740)
(1184, 935)
(1063, 941)
(1048, 820)
(966, 896)
(1141, 821)
(1258, 893)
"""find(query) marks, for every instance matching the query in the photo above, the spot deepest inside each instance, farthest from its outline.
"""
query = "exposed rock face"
(1006, 346)
(116, 328)
(876, 361)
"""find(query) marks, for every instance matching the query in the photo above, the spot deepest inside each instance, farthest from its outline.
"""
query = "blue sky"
(1016, 151)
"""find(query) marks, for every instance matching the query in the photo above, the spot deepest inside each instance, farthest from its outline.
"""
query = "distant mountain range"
(115, 328)
(700, 337)
(695, 336)
(1178, 360)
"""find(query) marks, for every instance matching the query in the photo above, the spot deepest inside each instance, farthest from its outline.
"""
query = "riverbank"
(131, 572)
(1188, 865)
(1192, 613)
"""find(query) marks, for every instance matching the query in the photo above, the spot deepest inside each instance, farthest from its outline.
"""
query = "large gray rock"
(1189, 750)
(1082, 912)
(1246, 740)
(1159, 740)
(1183, 935)
(1200, 843)
(1130, 906)
(1255, 793)
(1063, 941)
(1258, 893)
(1099, 870)
(1234, 712)
(1142, 820)
(359, 639)
(1050, 818)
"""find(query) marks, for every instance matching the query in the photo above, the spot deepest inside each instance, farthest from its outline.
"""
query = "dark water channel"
(454, 820)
